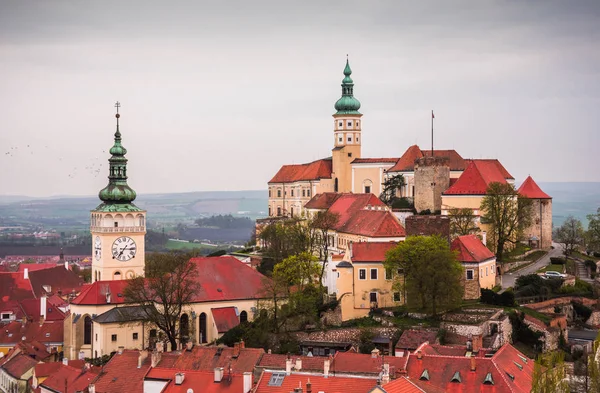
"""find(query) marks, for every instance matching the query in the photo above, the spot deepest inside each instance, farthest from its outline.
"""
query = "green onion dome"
(347, 104)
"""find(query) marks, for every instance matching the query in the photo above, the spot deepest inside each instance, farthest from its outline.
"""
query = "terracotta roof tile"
(476, 178)
(375, 160)
(401, 385)
(19, 365)
(32, 308)
(413, 338)
(95, 293)
(373, 223)
(60, 279)
(277, 362)
(322, 201)
(46, 369)
(332, 384)
(121, 374)
(530, 189)
(34, 349)
(76, 380)
(225, 318)
(320, 169)
(406, 163)
(208, 358)
(358, 363)
(14, 287)
(47, 333)
(371, 251)
(471, 249)
(198, 381)
(32, 267)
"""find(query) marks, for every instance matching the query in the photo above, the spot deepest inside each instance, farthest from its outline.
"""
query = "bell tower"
(118, 226)
(347, 134)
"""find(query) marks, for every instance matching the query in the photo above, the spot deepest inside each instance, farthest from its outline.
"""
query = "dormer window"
(424, 375)
(520, 366)
(488, 379)
(512, 377)
(456, 377)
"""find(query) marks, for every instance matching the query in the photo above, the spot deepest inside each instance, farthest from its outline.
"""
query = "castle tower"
(347, 134)
(539, 233)
(118, 226)
(432, 178)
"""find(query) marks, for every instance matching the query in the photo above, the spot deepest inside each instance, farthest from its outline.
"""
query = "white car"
(553, 274)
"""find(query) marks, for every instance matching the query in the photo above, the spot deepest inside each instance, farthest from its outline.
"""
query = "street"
(508, 279)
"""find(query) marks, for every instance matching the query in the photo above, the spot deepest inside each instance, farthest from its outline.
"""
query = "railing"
(117, 229)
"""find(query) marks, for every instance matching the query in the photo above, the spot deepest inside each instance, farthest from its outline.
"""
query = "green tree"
(431, 274)
(593, 232)
(298, 270)
(507, 214)
(549, 374)
(570, 234)
(289, 237)
(323, 222)
(169, 286)
(462, 222)
(390, 186)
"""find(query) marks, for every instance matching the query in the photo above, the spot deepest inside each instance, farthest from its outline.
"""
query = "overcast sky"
(218, 95)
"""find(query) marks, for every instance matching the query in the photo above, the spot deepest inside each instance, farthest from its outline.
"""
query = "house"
(280, 382)
(478, 262)
(411, 339)
(68, 379)
(363, 282)
(124, 372)
(216, 381)
(15, 373)
(42, 371)
(48, 333)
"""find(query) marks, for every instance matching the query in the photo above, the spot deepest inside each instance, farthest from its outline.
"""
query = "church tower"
(347, 134)
(118, 226)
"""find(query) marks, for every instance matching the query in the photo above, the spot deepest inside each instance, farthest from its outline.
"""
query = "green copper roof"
(117, 195)
(347, 104)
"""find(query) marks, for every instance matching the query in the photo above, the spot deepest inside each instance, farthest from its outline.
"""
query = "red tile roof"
(322, 201)
(121, 374)
(406, 163)
(373, 223)
(58, 278)
(371, 251)
(46, 369)
(277, 362)
(375, 160)
(19, 365)
(401, 385)
(74, 379)
(476, 178)
(32, 308)
(208, 358)
(412, 338)
(198, 381)
(358, 363)
(47, 333)
(320, 169)
(332, 384)
(225, 318)
(14, 287)
(95, 294)
(471, 249)
(34, 349)
(31, 267)
(530, 189)
(441, 369)
(227, 278)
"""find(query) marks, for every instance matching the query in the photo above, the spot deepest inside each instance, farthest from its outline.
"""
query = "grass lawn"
(175, 245)
(532, 313)
(552, 267)
(526, 350)
(584, 256)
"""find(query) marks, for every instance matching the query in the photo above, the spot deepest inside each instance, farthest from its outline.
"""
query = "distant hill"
(576, 199)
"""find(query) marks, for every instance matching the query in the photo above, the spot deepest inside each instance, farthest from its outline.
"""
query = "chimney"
(473, 363)
(385, 377)
(188, 346)
(236, 350)
(108, 297)
(65, 361)
(308, 386)
(179, 377)
(247, 382)
(218, 374)
(419, 355)
(67, 265)
(160, 347)
(155, 358)
(288, 366)
(26, 274)
(142, 358)
(242, 344)
(298, 364)
(43, 307)
(120, 350)
(92, 388)
(326, 365)
(375, 353)
(484, 238)
(477, 342)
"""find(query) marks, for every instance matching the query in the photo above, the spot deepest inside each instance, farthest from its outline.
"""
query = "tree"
(462, 222)
(390, 186)
(169, 286)
(285, 238)
(570, 234)
(323, 222)
(298, 270)
(593, 232)
(507, 213)
(432, 275)
(549, 374)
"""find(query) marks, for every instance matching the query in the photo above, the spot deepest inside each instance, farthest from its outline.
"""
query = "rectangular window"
(486, 271)
(303, 192)
(481, 274)
(116, 224)
(269, 193)
(356, 139)
(279, 211)
(396, 296)
(113, 338)
(388, 274)
(349, 139)
(373, 274)
(278, 193)
(96, 336)
(135, 336)
(340, 139)
(367, 189)
(292, 192)
(373, 297)
(349, 124)
(362, 274)
(349, 154)
(308, 192)
(5, 316)
(469, 274)
(341, 124)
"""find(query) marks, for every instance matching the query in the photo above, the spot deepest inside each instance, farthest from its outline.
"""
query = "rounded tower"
(347, 134)
(117, 225)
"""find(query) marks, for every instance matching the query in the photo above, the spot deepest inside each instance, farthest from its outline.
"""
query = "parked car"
(553, 274)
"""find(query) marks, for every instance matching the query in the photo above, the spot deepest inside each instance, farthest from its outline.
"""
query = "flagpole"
(432, 117)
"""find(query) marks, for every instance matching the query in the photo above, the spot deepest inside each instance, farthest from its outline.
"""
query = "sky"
(217, 95)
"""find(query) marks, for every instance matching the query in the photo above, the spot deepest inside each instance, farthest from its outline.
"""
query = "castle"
(435, 180)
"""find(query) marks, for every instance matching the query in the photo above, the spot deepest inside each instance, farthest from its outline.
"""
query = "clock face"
(124, 248)
(97, 248)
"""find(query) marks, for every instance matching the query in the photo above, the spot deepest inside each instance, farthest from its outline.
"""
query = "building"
(539, 233)
(479, 265)
(363, 282)
(118, 226)
(15, 373)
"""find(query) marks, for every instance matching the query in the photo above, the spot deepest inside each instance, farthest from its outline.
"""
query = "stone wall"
(594, 319)
(332, 317)
(551, 335)
(345, 335)
(472, 287)
(541, 225)
(432, 177)
(428, 225)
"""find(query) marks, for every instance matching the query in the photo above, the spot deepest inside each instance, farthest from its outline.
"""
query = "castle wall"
(432, 177)
(541, 225)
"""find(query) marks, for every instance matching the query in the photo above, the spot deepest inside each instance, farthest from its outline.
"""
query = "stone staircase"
(582, 271)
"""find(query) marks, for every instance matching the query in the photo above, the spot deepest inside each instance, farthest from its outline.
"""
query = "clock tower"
(118, 226)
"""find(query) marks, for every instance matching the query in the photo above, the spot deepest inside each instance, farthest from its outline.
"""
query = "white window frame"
(362, 270)
(371, 270)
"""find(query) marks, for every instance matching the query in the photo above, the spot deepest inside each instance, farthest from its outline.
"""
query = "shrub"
(582, 311)
(597, 254)
(591, 264)
(365, 341)
(506, 298)
(557, 261)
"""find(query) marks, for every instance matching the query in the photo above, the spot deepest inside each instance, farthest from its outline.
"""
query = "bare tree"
(323, 222)
(462, 222)
(570, 234)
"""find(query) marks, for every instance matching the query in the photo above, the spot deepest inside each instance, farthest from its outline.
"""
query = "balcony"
(117, 229)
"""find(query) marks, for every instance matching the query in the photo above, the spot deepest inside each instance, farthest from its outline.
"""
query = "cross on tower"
(117, 105)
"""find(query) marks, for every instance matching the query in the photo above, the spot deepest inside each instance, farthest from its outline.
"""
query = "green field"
(175, 245)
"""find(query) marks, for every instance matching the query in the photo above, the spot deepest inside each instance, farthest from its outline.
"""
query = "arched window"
(203, 328)
(184, 328)
(243, 317)
(87, 330)
(335, 185)
(117, 275)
